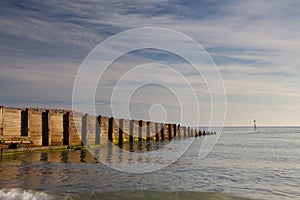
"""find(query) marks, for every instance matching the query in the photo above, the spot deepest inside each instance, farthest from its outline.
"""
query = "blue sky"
(255, 45)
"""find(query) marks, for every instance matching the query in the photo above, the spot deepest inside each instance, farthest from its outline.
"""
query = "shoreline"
(22, 150)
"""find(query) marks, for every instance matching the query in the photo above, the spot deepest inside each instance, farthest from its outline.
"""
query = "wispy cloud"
(256, 45)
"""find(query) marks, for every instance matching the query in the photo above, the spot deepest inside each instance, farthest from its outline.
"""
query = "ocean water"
(244, 164)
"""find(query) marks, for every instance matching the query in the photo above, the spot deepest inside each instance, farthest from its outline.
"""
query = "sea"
(244, 164)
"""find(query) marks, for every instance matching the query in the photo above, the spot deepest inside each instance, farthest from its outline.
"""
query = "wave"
(155, 195)
(21, 194)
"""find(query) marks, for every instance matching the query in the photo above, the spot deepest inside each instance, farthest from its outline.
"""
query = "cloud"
(254, 43)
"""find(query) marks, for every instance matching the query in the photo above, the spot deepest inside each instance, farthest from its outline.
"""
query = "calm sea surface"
(244, 164)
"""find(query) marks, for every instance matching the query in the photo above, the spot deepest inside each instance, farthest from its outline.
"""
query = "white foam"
(20, 194)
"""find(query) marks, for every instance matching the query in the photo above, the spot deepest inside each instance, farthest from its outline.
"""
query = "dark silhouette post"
(66, 128)
(148, 131)
(45, 129)
(110, 129)
(98, 130)
(140, 130)
(84, 129)
(156, 132)
(170, 131)
(121, 127)
(24, 122)
(162, 132)
(254, 124)
(131, 129)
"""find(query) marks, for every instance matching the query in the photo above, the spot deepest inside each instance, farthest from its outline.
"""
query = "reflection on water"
(52, 168)
(44, 157)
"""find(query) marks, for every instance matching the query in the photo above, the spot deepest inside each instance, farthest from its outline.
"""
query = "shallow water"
(261, 164)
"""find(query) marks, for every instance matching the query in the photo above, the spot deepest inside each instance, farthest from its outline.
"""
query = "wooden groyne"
(53, 127)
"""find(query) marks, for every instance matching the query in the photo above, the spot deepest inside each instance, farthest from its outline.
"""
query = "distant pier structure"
(254, 124)
(39, 127)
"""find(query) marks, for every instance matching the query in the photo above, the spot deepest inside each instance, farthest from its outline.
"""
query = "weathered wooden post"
(84, 129)
(126, 130)
(140, 130)
(11, 121)
(104, 124)
(156, 132)
(184, 132)
(98, 130)
(1, 120)
(148, 131)
(162, 132)
(121, 127)
(169, 131)
(179, 132)
(91, 129)
(110, 129)
(75, 129)
(32, 126)
(131, 131)
(56, 127)
(174, 129)
(189, 132)
(66, 128)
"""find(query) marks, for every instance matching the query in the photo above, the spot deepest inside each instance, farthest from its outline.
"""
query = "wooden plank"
(1, 120)
(11, 121)
(35, 127)
(56, 128)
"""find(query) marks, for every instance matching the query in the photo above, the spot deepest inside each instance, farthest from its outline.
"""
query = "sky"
(254, 44)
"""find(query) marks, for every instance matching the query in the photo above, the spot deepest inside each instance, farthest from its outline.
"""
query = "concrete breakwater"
(55, 127)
